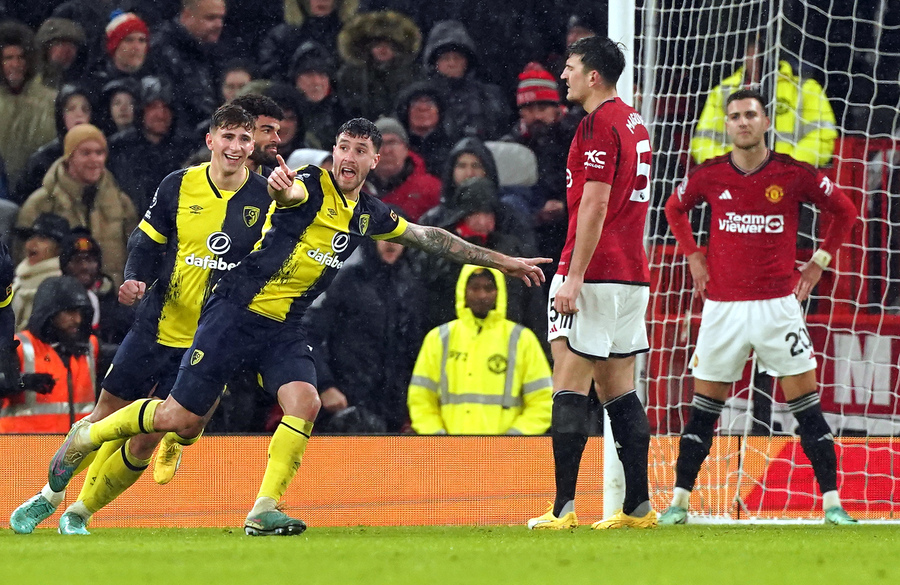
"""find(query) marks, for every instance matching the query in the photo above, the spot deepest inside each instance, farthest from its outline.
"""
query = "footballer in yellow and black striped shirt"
(253, 316)
(201, 221)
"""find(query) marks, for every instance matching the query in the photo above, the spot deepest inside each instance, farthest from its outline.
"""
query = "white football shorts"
(773, 328)
(610, 322)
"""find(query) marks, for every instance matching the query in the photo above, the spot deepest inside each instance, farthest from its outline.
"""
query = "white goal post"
(756, 471)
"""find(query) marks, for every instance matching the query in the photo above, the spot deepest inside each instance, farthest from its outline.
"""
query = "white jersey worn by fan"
(611, 146)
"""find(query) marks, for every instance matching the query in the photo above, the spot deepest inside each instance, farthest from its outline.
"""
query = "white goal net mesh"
(756, 468)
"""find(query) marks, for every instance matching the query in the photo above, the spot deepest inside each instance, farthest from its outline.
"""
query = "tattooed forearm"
(442, 243)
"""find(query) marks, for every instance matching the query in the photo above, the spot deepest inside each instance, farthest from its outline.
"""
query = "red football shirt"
(612, 146)
(754, 221)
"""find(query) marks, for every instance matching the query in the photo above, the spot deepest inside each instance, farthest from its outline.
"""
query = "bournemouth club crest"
(251, 215)
(363, 224)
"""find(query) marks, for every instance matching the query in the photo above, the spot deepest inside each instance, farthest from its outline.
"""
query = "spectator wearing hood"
(503, 385)
(119, 105)
(474, 108)
(378, 50)
(80, 188)
(189, 54)
(72, 107)
(62, 53)
(26, 105)
(81, 258)
(474, 218)
(312, 73)
(42, 244)
(318, 21)
(366, 351)
(57, 343)
(420, 110)
(92, 16)
(400, 178)
(127, 48)
(471, 158)
(141, 157)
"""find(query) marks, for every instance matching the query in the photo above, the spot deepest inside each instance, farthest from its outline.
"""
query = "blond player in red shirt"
(599, 296)
(747, 280)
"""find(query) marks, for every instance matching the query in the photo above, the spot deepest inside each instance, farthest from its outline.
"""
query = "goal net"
(756, 468)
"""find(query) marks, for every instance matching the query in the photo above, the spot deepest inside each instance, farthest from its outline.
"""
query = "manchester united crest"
(363, 224)
(251, 215)
(497, 363)
(774, 193)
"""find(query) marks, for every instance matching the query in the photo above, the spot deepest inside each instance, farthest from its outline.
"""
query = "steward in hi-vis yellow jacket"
(485, 376)
(804, 122)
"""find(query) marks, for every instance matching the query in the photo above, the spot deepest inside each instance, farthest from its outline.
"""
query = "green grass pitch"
(690, 555)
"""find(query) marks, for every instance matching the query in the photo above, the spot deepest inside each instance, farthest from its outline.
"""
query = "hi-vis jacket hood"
(480, 376)
(465, 313)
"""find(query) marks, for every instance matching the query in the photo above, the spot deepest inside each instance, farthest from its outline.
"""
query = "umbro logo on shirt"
(196, 209)
(726, 194)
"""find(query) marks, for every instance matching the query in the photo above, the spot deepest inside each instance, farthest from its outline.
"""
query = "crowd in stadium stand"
(101, 99)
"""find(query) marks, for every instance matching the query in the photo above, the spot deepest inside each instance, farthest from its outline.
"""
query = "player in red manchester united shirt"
(599, 296)
(751, 302)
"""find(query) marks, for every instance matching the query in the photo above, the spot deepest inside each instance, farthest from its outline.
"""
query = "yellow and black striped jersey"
(307, 244)
(7, 274)
(206, 232)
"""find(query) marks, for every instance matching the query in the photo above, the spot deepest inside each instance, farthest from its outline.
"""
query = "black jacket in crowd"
(140, 165)
(192, 67)
(370, 326)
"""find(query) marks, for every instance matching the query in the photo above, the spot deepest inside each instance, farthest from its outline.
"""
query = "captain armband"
(822, 258)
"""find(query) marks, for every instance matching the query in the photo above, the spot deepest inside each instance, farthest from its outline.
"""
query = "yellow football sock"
(105, 451)
(285, 453)
(119, 473)
(174, 437)
(134, 419)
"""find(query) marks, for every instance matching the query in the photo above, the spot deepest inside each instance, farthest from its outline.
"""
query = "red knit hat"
(536, 85)
(120, 27)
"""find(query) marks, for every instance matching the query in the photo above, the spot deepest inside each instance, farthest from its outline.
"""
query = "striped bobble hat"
(536, 84)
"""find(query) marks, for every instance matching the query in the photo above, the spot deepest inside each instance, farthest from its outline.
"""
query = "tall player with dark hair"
(201, 222)
(261, 161)
(254, 315)
(747, 281)
(599, 296)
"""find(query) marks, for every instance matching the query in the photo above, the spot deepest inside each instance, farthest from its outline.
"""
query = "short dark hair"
(600, 54)
(239, 64)
(232, 116)
(361, 128)
(259, 105)
(747, 94)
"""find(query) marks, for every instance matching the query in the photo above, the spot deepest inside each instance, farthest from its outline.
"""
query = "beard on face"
(263, 158)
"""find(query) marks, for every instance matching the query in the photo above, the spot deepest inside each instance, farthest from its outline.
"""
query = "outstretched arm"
(446, 245)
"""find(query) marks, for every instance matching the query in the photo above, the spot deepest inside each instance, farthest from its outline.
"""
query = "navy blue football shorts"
(229, 337)
(140, 364)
